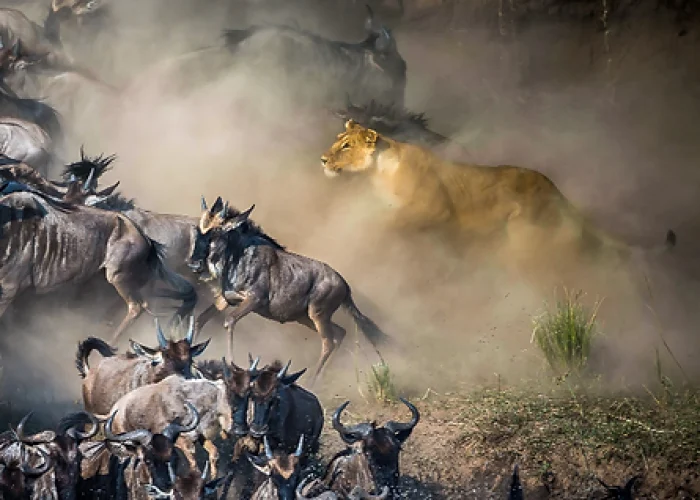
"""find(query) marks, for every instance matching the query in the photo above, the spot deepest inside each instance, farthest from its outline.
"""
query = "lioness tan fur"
(480, 200)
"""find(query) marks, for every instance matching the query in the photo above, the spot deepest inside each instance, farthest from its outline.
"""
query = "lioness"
(480, 200)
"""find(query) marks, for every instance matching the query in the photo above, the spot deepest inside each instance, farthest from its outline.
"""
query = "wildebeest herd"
(148, 412)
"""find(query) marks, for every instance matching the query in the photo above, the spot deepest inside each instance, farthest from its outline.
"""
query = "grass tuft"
(564, 333)
(381, 383)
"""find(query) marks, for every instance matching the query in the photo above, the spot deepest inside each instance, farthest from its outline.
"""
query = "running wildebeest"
(371, 460)
(284, 412)
(282, 470)
(115, 376)
(372, 68)
(33, 111)
(256, 274)
(35, 230)
(26, 142)
(28, 46)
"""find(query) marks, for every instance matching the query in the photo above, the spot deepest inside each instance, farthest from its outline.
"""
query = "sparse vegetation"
(564, 333)
(381, 383)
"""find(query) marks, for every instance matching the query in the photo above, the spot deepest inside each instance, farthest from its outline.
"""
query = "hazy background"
(612, 127)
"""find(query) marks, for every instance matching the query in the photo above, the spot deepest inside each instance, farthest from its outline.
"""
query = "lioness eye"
(345, 146)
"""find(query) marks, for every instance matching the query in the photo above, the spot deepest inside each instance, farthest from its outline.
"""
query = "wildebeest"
(256, 274)
(17, 477)
(140, 461)
(372, 68)
(33, 111)
(116, 376)
(26, 142)
(625, 492)
(63, 448)
(282, 470)
(218, 403)
(35, 230)
(284, 412)
(26, 46)
(371, 460)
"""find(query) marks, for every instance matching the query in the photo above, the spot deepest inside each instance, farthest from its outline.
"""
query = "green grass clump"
(381, 383)
(564, 334)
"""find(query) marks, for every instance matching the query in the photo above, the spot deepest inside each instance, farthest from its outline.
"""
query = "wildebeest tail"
(181, 289)
(373, 333)
(86, 347)
(233, 37)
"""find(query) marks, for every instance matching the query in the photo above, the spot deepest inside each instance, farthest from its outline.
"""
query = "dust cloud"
(458, 318)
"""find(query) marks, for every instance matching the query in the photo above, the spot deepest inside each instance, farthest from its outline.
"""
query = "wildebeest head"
(190, 486)
(82, 177)
(16, 474)
(283, 471)
(267, 394)
(176, 356)
(164, 462)
(62, 445)
(213, 221)
(238, 382)
(625, 492)
(353, 151)
(375, 450)
(383, 52)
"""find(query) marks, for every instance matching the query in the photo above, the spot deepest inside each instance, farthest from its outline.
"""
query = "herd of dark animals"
(153, 407)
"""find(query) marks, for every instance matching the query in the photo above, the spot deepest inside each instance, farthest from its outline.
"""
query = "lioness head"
(353, 151)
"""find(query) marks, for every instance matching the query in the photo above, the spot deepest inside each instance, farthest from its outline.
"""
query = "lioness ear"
(350, 124)
(371, 136)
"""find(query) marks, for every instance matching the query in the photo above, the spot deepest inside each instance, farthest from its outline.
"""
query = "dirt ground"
(607, 111)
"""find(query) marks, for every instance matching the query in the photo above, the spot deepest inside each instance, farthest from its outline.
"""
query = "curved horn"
(190, 332)
(204, 203)
(140, 436)
(205, 472)
(363, 495)
(345, 434)
(283, 371)
(300, 489)
(108, 191)
(401, 427)
(37, 471)
(268, 450)
(162, 341)
(88, 181)
(80, 436)
(227, 371)
(40, 438)
(224, 210)
(174, 429)
(300, 446)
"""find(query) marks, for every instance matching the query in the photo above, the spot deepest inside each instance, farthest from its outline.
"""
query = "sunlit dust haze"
(211, 124)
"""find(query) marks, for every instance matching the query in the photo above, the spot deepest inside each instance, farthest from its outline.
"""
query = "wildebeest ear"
(217, 206)
(108, 191)
(199, 348)
(290, 379)
(260, 463)
(146, 352)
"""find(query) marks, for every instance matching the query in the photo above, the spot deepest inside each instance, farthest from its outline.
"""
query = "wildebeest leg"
(246, 306)
(188, 449)
(213, 452)
(134, 302)
(207, 315)
(326, 328)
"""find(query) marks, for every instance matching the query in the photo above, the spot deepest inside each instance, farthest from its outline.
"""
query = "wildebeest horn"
(204, 203)
(88, 181)
(224, 210)
(404, 430)
(346, 434)
(369, 21)
(140, 436)
(205, 472)
(162, 341)
(78, 435)
(254, 364)
(174, 429)
(190, 332)
(108, 191)
(36, 471)
(227, 372)
(171, 473)
(268, 450)
(359, 493)
(283, 371)
(40, 438)
(300, 446)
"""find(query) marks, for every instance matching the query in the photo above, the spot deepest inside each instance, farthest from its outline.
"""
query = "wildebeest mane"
(252, 231)
(81, 169)
(389, 113)
(116, 203)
